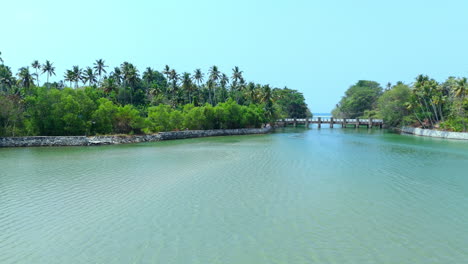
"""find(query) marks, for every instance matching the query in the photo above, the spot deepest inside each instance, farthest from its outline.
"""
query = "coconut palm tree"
(224, 80)
(198, 76)
(148, 75)
(460, 92)
(187, 85)
(215, 74)
(174, 78)
(130, 74)
(69, 76)
(6, 77)
(49, 69)
(109, 85)
(167, 71)
(36, 65)
(25, 78)
(100, 68)
(236, 76)
(89, 76)
(117, 75)
(77, 74)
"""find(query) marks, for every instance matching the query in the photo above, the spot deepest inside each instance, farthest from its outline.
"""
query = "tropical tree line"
(101, 100)
(425, 103)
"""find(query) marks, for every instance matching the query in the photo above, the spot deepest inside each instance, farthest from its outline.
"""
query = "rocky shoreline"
(434, 133)
(40, 141)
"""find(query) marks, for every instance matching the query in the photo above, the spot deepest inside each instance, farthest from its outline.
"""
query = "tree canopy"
(98, 99)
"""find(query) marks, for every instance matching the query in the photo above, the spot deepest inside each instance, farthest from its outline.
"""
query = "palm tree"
(1, 60)
(267, 99)
(109, 85)
(460, 92)
(174, 77)
(6, 77)
(100, 68)
(36, 65)
(49, 69)
(148, 75)
(198, 76)
(236, 76)
(167, 71)
(89, 76)
(69, 76)
(130, 74)
(117, 75)
(215, 74)
(25, 78)
(77, 74)
(224, 80)
(187, 85)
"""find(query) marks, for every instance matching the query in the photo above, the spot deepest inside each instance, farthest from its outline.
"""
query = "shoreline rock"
(56, 141)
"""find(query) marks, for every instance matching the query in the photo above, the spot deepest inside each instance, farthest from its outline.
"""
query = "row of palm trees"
(431, 101)
(212, 87)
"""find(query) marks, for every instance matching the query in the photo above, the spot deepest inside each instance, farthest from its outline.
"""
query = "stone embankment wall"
(434, 133)
(110, 140)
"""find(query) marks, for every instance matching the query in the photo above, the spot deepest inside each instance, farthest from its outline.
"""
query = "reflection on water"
(294, 196)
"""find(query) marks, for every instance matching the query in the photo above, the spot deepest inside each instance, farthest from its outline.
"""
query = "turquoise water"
(295, 196)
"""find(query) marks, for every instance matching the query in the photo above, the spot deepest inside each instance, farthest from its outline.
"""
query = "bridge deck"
(344, 122)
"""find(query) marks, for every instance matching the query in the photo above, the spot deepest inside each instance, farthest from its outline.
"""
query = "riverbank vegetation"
(103, 100)
(425, 103)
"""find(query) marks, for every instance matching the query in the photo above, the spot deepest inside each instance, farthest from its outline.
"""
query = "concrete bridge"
(343, 122)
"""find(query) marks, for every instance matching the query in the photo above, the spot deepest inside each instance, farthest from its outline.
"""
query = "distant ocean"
(322, 114)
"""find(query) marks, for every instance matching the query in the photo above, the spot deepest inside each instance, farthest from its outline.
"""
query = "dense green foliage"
(91, 101)
(426, 103)
(358, 98)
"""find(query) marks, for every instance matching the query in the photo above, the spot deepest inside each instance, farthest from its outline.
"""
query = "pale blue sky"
(317, 47)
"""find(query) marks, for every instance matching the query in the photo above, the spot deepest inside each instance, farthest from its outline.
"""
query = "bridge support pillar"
(357, 122)
(319, 122)
(307, 122)
(331, 122)
(343, 124)
(370, 123)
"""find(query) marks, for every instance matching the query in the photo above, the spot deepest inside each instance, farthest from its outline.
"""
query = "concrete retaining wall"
(434, 133)
(110, 140)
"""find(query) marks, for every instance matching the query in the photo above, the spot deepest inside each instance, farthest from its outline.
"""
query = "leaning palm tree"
(25, 78)
(36, 65)
(49, 69)
(460, 92)
(100, 68)
(89, 76)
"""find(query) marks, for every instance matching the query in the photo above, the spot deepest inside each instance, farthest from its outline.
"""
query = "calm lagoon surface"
(293, 196)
